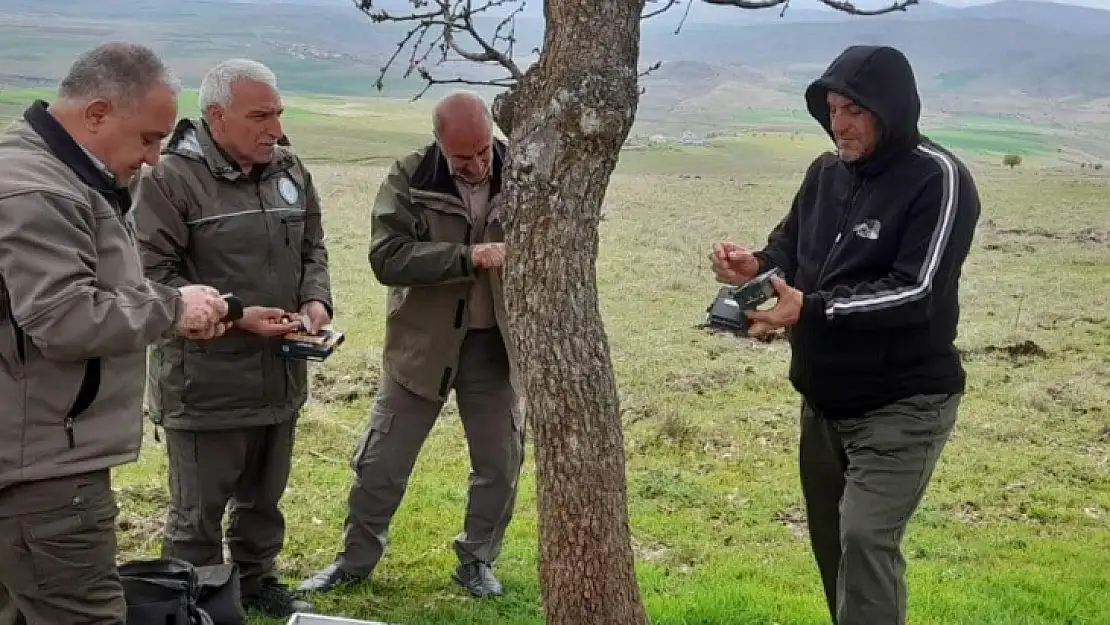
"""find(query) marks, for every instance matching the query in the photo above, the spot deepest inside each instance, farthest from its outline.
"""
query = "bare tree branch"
(442, 29)
(844, 6)
(448, 27)
(666, 7)
(651, 69)
(432, 81)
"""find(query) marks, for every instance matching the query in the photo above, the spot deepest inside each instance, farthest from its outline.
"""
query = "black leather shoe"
(274, 600)
(478, 579)
(328, 578)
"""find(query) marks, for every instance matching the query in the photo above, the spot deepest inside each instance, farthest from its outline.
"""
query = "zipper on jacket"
(86, 395)
(857, 186)
(266, 222)
(269, 264)
(445, 382)
(459, 313)
(20, 347)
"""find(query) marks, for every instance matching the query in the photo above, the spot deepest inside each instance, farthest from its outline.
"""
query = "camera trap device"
(304, 346)
(726, 312)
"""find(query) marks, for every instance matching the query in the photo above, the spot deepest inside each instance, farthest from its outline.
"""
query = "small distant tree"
(1011, 160)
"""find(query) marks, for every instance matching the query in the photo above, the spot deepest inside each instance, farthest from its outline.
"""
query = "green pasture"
(1015, 529)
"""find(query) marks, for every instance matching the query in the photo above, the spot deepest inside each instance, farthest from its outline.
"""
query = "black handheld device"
(726, 312)
(305, 346)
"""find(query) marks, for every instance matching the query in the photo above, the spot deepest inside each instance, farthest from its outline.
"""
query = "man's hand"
(785, 313)
(204, 308)
(266, 321)
(487, 255)
(210, 332)
(733, 264)
(314, 316)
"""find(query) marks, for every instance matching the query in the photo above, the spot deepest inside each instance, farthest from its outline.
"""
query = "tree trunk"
(566, 121)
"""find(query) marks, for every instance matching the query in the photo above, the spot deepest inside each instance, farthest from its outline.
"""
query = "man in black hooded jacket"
(872, 250)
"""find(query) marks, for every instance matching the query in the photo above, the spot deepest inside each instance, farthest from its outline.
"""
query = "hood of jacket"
(881, 80)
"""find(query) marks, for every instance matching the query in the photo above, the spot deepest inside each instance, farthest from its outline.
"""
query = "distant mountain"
(1007, 53)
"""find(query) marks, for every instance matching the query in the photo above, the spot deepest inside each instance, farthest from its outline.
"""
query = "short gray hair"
(459, 95)
(215, 87)
(118, 72)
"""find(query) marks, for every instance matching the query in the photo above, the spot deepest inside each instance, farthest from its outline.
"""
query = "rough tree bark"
(566, 117)
(566, 121)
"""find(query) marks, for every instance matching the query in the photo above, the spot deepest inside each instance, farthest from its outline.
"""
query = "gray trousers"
(399, 424)
(248, 467)
(863, 478)
(58, 553)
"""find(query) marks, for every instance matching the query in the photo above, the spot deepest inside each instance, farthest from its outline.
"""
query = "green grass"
(993, 141)
(1015, 529)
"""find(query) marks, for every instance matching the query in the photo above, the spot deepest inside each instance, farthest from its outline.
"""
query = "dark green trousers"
(58, 553)
(863, 478)
(400, 422)
(247, 468)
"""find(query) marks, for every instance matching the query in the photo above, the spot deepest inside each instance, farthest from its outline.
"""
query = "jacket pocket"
(86, 395)
(13, 349)
(12, 345)
(223, 374)
(58, 394)
(292, 227)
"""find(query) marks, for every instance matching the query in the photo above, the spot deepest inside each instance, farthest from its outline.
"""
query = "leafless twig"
(448, 27)
(440, 29)
(651, 69)
(663, 9)
(844, 6)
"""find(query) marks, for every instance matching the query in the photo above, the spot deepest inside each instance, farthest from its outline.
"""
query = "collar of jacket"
(434, 176)
(194, 141)
(65, 147)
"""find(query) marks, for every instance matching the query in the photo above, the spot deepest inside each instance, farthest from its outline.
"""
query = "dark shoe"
(329, 578)
(274, 600)
(478, 579)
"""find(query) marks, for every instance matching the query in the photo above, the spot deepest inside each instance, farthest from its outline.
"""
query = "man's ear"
(96, 114)
(213, 114)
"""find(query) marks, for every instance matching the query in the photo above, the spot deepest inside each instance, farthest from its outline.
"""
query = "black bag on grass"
(168, 591)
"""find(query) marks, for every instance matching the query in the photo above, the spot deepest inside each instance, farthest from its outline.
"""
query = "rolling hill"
(1045, 62)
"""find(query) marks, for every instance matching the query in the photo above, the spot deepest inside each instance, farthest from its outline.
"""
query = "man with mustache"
(76, 317)
(230, 207)
(436, 242)
(872, 250)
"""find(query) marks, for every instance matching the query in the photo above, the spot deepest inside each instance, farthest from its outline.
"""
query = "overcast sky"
(808, 4)
(1097, 4)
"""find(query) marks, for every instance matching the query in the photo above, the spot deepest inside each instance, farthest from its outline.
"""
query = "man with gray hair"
(76, 316)
(229, 206)
(437, 243)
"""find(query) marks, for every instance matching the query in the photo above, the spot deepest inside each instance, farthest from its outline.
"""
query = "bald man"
(436, 242)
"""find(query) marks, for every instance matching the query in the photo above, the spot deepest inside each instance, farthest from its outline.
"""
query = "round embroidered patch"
(288, 190)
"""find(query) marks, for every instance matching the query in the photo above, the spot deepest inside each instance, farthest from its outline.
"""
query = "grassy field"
(1015, 529)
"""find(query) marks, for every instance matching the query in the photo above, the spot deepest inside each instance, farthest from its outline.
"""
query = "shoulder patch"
(288, 190)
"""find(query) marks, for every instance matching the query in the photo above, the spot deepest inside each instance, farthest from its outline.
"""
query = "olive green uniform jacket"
(258, 236)
(420, 249)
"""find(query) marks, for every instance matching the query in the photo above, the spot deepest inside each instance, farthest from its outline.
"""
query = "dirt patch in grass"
(1089, 235)
(794, 519)
(347, 385)
(701, 382)
(141, 519)
(1018, 354)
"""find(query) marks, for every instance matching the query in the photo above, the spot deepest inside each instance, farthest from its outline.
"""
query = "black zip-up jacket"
(877, 246)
